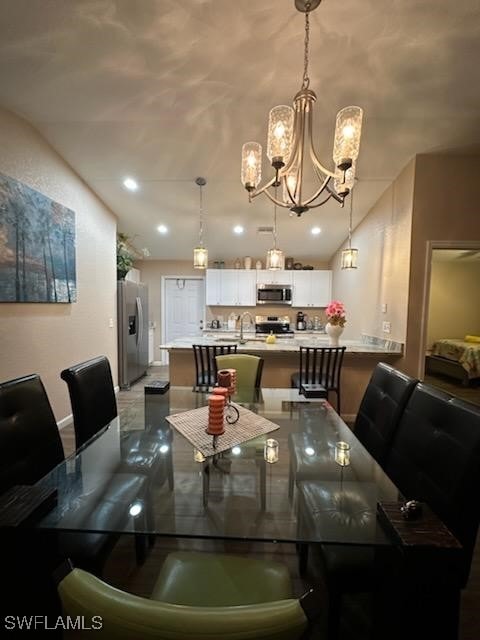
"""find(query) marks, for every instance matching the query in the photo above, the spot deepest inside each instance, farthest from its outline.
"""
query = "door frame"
(431, 245)
(163, 279)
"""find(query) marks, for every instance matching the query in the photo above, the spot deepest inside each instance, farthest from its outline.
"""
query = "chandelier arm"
(335, 195)
(287, 187)
(313, 154)
(266, 186)
(319, 191)
(280, 203)
(319, 204)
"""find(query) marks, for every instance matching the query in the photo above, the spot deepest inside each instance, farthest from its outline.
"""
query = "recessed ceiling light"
(316, 231)
(162, 228)
(130, 184)
(238, 229)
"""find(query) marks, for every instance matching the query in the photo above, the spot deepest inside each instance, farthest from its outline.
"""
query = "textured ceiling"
(166, 90)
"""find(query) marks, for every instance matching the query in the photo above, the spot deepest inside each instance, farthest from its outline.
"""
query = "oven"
(274, 294)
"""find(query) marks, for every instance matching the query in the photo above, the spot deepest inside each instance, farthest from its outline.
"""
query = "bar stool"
(206, 365)
(321, 366)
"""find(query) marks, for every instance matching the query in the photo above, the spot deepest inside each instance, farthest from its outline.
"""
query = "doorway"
(452, 332)
(182, 308)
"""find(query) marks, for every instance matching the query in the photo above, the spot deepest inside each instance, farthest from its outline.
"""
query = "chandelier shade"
(291, 150)
(200, 253)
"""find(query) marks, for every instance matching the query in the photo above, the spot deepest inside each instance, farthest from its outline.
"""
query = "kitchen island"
(282, 359)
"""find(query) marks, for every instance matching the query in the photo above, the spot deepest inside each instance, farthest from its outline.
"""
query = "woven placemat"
(192, 425)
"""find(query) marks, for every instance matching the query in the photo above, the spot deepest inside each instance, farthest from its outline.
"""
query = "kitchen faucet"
(242, 317)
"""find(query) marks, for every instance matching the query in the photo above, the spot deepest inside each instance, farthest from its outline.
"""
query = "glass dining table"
(311, 493)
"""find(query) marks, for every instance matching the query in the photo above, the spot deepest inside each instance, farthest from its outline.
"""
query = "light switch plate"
(384, 308)
(386, 327)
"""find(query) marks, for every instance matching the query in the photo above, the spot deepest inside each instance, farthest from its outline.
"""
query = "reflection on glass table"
(233, 495)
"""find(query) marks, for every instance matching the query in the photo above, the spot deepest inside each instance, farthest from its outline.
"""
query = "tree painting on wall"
(37, 246)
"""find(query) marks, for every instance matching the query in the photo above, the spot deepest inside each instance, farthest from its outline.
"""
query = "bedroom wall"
(45, 338)
(454, 300)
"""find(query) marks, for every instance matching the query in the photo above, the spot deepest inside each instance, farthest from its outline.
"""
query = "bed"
(458, 359)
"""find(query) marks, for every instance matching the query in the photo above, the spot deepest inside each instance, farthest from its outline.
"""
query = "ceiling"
(167, 90)
(456, 255)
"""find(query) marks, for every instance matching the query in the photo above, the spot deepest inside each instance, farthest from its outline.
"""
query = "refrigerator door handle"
(140, 320)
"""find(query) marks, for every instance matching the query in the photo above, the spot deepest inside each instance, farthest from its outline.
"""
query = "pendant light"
(349, 256)
(275, 257)
(200, 253)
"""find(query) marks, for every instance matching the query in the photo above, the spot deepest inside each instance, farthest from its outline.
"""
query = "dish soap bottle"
(271, 339)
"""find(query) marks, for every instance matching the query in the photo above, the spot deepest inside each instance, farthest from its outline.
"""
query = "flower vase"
(334, 331)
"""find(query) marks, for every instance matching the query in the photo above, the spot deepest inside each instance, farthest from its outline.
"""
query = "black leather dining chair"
(30, 447)
(382, 406)
(320, 366)
(206, 365)
(435, 458)
(92, 395)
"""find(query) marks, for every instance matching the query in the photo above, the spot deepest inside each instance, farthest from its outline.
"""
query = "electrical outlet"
(386, 327)
(384, 308)
(110, 323)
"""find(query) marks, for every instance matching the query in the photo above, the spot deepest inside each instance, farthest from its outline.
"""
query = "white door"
(302, 289)
(247, 288)
(213, 287)
(321, 288)
(229, 287)
(184, 307)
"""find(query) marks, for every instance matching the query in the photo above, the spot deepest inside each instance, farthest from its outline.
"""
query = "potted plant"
(335, 312)
(125, 257)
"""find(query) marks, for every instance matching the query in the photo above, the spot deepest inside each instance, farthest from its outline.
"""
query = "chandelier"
(289, 144)
(200, 253)
(349, 255)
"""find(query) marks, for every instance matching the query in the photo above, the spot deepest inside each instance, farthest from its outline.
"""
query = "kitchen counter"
(254, 344)
(281, 359)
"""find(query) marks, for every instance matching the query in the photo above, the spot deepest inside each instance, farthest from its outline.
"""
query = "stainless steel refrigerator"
(132, 314)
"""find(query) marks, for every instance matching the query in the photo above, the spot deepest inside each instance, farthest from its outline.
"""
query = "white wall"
(45, 338)
(383, 242)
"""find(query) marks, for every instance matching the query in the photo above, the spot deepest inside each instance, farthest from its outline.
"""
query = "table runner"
(192, 425)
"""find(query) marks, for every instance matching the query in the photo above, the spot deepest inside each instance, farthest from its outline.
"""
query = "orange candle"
(224, 378)
(216, 404)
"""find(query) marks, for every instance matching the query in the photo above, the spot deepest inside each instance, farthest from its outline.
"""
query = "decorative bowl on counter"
(297, 265)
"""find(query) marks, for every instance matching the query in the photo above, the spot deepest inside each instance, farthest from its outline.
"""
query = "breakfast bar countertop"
(285, 345)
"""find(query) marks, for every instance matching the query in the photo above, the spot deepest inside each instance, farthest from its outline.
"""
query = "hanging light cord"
(350, 223)
(201, 216)
(275, 221)
(306, 79)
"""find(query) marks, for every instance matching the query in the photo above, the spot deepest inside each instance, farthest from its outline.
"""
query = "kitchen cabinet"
(231, 287)
(312, 288)
(281, 276)
(212, 287)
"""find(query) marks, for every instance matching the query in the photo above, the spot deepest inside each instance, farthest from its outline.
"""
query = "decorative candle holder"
(270, 451)
(231, 413)
(342, 453)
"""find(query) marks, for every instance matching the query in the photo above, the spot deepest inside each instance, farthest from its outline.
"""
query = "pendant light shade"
(275, 257)
(200, 253)
(200, 258)
(349, 255)
(349, 258)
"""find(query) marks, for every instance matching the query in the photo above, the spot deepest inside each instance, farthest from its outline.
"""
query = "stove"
(278, 325)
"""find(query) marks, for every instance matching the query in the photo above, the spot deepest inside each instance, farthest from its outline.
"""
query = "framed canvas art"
(37, 246)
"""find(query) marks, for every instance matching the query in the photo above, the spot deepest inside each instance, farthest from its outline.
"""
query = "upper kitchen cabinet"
(212, 287)
(312, 288)
(231, 287)
(281, 276)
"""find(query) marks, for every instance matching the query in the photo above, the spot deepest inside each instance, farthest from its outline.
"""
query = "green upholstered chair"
(197, 596)
(249, 369)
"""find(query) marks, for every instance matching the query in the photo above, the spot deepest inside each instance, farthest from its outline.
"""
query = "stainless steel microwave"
(274, 294)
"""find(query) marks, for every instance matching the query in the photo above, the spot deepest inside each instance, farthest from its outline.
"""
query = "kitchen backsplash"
(223, 313)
